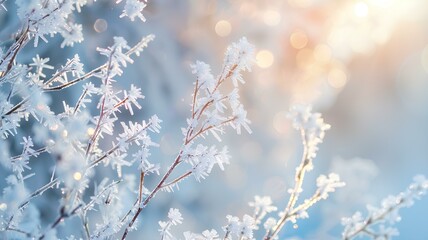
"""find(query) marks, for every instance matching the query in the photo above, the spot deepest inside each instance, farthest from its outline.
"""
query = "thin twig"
(371, 221)
(116, 147)
(70, 83)
(178, 179)
(298, 182)
(63, 215)
(36, 193)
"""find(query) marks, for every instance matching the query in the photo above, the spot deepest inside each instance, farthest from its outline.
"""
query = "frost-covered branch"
(136, 49)
(312, 128)
(208, 116)
(76, 142)
(64, 136)
(378, 223)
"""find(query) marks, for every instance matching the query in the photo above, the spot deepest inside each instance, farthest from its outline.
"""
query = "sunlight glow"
(264, 58)
(337, 78)
(3, 206)
(298, 40)
(90, 131)
(361, 9)
(77, 176)
(300, 3)
(223, 28)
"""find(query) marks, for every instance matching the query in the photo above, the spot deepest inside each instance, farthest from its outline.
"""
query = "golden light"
(337, 78)
(64, 133)
(300, 3)
(298, 40)
(100, 25)
(3, 206)
(322, 53)
(361, 9)
(54, 127)
(223, 28)
(382, 3)
(90, 131)
(77, 176)
(271, 18)
(264, 58)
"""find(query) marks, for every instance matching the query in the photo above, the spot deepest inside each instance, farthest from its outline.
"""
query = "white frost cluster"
(240, 229)
(174, 218)
(2, 5)
(262, 206)
(203, 159)
(206, 235)
(78, 141)
(239, 57)
(312, 128)
(311, 125)
(211, 111)
(72, 34)
(70, 138)
(133, 9)
(49, 18)
(235, 229)
(328, 184)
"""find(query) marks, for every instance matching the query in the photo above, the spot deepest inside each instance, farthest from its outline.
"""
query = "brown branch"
(152, 194)
(141, 187)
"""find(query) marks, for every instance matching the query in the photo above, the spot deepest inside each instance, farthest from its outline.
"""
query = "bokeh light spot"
(298, 40)
(77, 176)
(223, 28)
(100, 25)
(3, 206)
(361, 9)
(337, 78)
(300, 3)
(90, 131)
(264, 58)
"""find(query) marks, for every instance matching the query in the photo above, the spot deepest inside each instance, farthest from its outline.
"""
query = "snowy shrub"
(80, 140)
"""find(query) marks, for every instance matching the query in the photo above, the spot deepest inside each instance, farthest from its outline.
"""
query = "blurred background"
(362, 63)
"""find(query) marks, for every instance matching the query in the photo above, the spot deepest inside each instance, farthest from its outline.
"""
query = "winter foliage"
(92, 133)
